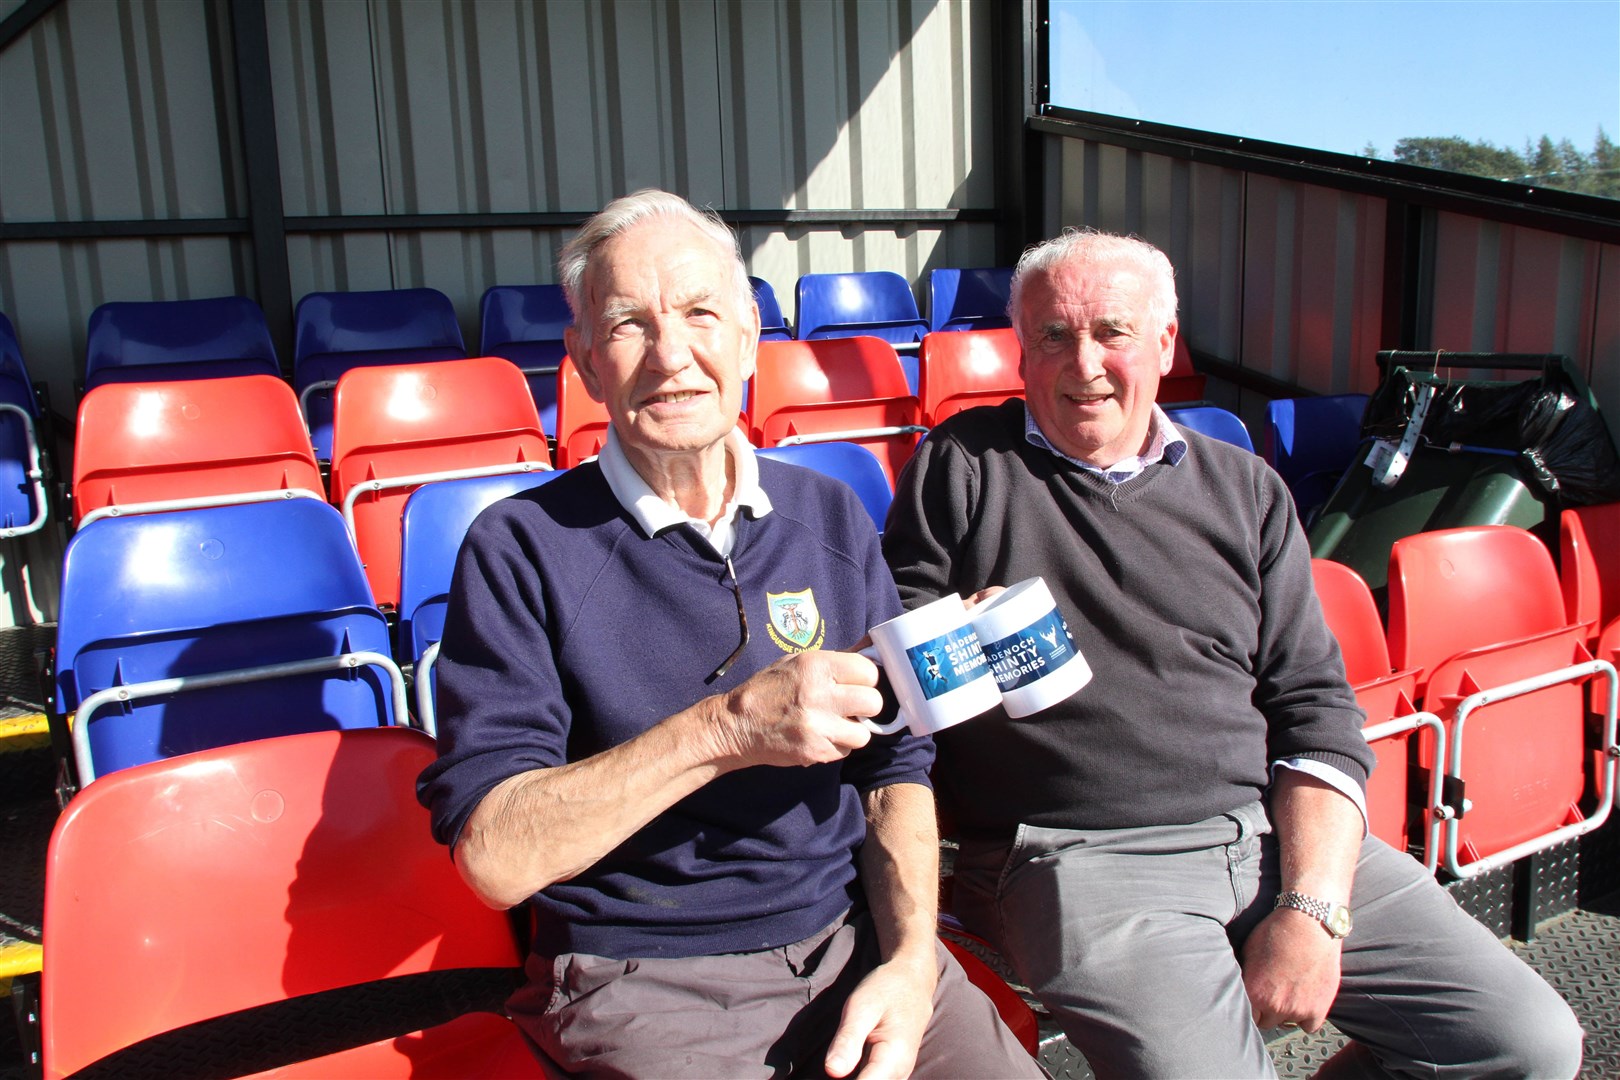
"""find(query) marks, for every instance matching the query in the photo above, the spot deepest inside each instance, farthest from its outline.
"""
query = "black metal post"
(267, 222)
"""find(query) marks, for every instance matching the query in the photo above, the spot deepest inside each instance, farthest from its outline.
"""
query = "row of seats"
(218, 494)
(227, 336)
(162, 340)
(880, 302)
(1479, 641)
(144, 446)
(958, 370)
(166, 340)
(333, 331)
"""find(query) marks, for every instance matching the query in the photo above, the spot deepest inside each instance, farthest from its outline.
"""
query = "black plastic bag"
(1548, 421)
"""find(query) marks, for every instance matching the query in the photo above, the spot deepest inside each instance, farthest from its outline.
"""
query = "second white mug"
(1028, 648)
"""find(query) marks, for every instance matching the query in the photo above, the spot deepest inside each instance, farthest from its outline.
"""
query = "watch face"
(1339, 921)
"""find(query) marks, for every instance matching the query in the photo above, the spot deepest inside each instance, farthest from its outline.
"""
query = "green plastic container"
(1489, 452)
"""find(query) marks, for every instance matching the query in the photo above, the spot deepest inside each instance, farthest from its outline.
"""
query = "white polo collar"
(653, 515)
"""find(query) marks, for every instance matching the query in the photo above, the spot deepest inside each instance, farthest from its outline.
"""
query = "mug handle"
(899, 721)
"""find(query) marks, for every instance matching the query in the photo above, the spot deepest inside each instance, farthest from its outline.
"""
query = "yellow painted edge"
(19, 958)
(24, 733)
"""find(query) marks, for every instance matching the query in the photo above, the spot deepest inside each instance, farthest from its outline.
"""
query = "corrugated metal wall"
(1286, 278)
(126, 111)
(114, 111)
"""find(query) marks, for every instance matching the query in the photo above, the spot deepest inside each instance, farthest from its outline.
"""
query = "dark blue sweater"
(570, 631)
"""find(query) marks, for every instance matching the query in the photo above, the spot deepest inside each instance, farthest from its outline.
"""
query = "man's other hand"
(1291, 971)
(884, 1021)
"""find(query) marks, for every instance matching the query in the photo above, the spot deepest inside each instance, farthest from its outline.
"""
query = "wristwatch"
(1335, 918)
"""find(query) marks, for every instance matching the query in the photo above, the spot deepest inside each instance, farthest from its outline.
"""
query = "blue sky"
(1340, 74)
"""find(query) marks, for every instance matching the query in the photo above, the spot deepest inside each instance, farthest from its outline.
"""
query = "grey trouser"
(1131, 938)
(759, 1014)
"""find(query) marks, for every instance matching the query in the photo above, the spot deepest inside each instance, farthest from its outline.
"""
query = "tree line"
(1543, 164)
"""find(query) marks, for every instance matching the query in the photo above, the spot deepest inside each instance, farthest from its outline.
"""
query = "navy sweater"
(570, 631)
(1187, 588)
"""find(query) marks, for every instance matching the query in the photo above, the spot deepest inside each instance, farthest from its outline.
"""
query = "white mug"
(1028, 648)
(939, 674)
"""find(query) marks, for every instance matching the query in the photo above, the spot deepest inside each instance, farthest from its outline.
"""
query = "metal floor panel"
(22, 656)
(27, 812)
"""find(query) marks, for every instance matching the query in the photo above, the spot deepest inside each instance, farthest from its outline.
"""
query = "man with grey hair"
(1176, 858)
(649, 722)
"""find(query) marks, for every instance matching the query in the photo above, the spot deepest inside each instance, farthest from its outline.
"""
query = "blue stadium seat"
(199, 628)
(772, 326)
(969, 299)
(24, 506)
(1311, 441)
(336, 331)
(436, 519)
(166, 340)
(1213, 421)
(871, 303)
(525, 324)
(850, 462)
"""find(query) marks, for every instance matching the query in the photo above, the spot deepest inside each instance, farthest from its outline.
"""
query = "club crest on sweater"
(795, 621)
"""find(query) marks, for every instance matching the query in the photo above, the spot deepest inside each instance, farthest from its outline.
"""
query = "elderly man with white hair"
(649, 720)
(1176, 858)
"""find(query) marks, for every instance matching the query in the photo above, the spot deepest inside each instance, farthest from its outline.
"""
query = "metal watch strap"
(1320, 910)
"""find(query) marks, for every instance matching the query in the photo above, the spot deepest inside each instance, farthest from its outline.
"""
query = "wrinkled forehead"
(657, 257)
(1086, 290)
(656, 264)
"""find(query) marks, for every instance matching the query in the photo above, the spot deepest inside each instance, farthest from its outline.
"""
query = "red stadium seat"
(848, 389)
(1183, 383)
(582, 421)
(144, 447)
(274, 879)
(1477, 609)
(961, 369)
(1589, 565)
(1386, 696)
(1013, 1010)
(396, 428)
